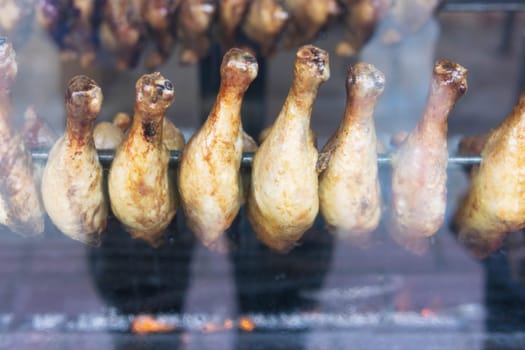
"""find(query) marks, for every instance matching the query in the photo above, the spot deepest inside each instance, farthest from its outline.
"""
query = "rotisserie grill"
(380, 208)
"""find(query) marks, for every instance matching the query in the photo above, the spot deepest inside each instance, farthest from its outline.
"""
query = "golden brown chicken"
(248, 143)
(36, 132)
(71, 24)
(264, 21)
(172, 137)
(109, 135)
(231, 13)
(20, 206)
(209, 177)
(307, 18)
(362, 17)
(194, 21)
(72, 181)
(472, 145)
(141, 193)
(16, 19)
(123, 30)
(160, 16)
(122, 120)
(495, 203)
(283, 200)
(419, 165)
(349, 192)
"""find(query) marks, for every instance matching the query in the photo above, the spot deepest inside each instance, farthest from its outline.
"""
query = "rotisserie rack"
(138, 256)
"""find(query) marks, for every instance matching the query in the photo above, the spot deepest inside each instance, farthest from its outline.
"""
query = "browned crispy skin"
(122, 120)
(194, 21)
(172, 137)
(361, 18)
(349, 192)
(36, 132)
(16, 20)
(123, 30)
(160, 16)
(283, 200)
(231, 13)
(419, 165)
(20, 206)
(248, 143)
(472, 145)
(264, 22)
(71, 23)
(109, 135)
(307, 18)
(72, 181)
(209, 178)
(495, 203)
(141, 192)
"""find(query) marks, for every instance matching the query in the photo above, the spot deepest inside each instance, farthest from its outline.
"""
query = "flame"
(246, 324)
(145, 324)
(426, 312)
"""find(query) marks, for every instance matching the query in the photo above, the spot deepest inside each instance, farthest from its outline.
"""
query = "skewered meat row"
(284, 196)
(81, 28)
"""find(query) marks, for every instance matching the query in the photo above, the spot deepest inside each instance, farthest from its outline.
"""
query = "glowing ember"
(246, 324)
(210, 327)
(427, 312)
(145, 324)
(228, 324)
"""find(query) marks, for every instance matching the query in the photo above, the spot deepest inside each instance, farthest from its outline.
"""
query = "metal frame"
(106, 157)
(482, 5)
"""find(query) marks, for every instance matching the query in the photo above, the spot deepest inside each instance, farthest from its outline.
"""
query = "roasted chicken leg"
(109, 135)
(160, 16)
(264, 21)
(20, 206)
(231, 13)
(142, 195)
(349, 192)
(419, 165)
(362, 17)
(172, 137)
(71, 24)
(283, 200)
(37, 134)
(194, 21)
(36, 131)
(123, 30)
(72, 181)
(209, 177)
(495, 203)
(307, 18)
